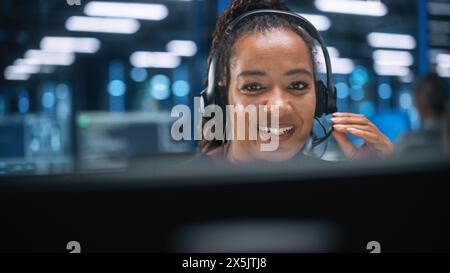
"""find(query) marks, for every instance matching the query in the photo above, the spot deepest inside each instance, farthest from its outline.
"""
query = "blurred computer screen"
(110, 141)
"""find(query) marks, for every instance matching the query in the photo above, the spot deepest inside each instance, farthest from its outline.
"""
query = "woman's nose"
(280, 99)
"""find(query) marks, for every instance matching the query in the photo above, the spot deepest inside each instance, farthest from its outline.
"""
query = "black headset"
(325, 94)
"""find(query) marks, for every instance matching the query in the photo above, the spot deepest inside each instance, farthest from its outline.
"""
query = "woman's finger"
(350, 120)
(346, 145)
(359, 126)
(343, 127)
(367, 136)
(342, 114)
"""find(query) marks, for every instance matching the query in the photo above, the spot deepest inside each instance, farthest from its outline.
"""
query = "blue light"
(422, 23)
(116, 70)
(359, 77)
(23, 104)
(414, 118)
(116, 88)
(116, 104)
(391, 123)
(181, 88)
(48, 99)
(367, 108)
(356, 94)
(406, 100)
(159, 87)
(342, 90)
(385, 91)
(138, 74)
(62, 91)
(221, 6)
(2, 105)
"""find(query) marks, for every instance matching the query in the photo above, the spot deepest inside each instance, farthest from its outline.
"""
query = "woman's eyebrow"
(256, 73)
(298, 71)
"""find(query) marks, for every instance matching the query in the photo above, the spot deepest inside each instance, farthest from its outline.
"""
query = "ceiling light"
(100, 24)
(391, 40)
(127, 10)
(155, 59)
(70, 44)
(369, 8)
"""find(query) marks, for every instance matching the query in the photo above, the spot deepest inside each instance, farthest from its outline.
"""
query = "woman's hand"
(375, 142)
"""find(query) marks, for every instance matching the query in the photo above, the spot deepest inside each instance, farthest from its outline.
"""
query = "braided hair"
(254, 24)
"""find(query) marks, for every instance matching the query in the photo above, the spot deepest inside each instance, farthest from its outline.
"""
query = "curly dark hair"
(254, 24)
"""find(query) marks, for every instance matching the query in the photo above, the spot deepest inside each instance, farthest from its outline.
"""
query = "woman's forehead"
(273, 47)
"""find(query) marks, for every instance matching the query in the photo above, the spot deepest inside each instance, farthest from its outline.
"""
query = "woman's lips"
(283, 133)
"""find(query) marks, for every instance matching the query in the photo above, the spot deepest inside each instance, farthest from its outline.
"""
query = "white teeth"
(276, 131)
(264, 129)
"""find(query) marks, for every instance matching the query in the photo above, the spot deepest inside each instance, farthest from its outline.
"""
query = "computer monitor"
(34, 144)
(12, 138)
(108, 141)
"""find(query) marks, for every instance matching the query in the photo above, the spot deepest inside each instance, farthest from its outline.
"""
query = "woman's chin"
(285, 150)
(279, 155)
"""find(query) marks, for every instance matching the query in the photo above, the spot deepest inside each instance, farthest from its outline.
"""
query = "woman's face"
(272, 69)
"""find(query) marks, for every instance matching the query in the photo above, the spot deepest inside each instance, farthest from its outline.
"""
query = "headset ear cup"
(332, 103)
(321, 99)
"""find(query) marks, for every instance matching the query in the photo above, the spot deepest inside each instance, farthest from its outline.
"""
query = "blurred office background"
(89, 85)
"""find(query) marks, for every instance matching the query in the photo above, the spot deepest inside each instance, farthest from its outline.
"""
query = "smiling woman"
(268, 60)
(274, 68)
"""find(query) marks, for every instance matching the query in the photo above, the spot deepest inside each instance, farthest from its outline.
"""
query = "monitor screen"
(110, 141)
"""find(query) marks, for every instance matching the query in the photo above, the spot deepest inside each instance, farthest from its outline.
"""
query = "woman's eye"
(298, 85)
(252, 87)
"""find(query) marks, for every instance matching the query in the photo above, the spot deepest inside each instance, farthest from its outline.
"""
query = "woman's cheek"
(240, 104)
(305, 110)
